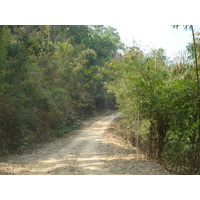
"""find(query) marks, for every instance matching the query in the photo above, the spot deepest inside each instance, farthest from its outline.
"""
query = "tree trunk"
(161, 138)
(150, 139)
(196, 159)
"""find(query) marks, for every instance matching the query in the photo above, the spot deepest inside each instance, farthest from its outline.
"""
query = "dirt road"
(90, 151)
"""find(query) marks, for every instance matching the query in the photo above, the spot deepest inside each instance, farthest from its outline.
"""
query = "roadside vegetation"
(46, 80)
(159, 101)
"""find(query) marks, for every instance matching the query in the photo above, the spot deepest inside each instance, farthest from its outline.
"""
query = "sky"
(146, 22)
(149, 36)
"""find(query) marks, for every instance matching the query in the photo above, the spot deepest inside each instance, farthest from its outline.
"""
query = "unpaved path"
(90, 151)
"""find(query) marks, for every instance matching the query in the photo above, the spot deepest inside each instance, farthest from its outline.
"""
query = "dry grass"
(122, 157)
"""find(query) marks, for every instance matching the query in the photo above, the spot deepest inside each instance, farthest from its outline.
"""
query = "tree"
(165, 96)
(140, 84)
(197, 154)
(45, 78)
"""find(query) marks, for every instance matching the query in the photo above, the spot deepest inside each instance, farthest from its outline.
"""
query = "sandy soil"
(92, 150)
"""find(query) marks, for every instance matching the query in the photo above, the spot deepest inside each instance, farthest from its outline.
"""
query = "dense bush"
(46, 78)
(159, 101)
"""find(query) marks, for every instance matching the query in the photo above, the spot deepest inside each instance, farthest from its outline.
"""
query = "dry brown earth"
(95, 149)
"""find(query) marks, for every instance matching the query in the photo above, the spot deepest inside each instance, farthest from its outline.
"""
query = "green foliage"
(159, 102)
(44, 71)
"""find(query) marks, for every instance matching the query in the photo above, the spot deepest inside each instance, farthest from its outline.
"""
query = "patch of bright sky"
(156, 36)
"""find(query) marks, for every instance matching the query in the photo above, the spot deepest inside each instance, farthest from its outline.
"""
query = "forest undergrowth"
(48, 80)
